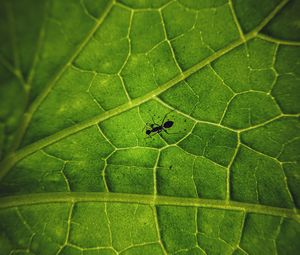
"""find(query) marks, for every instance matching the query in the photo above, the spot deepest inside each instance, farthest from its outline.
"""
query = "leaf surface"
(80, 79)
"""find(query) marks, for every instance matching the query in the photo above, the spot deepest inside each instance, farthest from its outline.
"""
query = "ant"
(156, 128)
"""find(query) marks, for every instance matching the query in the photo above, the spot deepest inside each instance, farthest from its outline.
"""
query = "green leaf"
(80, 79)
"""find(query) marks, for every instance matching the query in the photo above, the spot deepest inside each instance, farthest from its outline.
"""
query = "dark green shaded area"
(163, 63)
(112, 35)
(189, 49)
(291, 171)
(257, 178)
(10, 110)
(211, 141)
(287, 93)
(138, 76)
(30, 228)
(27, 177)
(286, 61)
(288, 236)
(131, 225)
(176, 234)
(64, 34)
(203, 95)
(286, 24)
(250, 13)
(182, 174)
(249, 109)
(144, 4)
(175, 173)
(286, 89)
(198, 5)
(178, 19)
(269, 230)
(219, 231)
(107, 91)
(275, 138)
(258, 228)
(74, 163)
(68, 103)
(145, 249)
(131, 171)
(248, 67)
(95, 7)
(89, 226)
(210, 179)
(144, 40)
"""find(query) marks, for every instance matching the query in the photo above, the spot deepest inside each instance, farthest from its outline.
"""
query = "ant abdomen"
(168, 124)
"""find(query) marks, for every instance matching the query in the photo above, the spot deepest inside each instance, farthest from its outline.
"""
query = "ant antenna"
(153, 121)
(167, 115)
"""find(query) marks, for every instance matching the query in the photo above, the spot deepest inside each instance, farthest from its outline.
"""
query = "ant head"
(148, 132)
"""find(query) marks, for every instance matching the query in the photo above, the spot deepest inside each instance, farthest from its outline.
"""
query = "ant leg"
(166, 116)
(153, 121)
(150, 136)
(147, 136)
(148, 125)
(172, 133)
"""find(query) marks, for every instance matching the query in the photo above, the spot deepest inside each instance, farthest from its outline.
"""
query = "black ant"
(156, 128)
